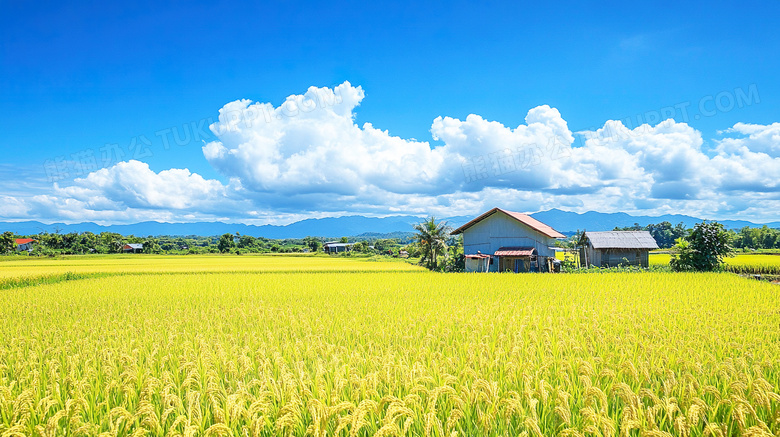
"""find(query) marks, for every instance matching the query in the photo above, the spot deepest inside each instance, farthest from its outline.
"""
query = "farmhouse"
(332, 247)
(500, 240)
(133, 248)
(24, 244)
(613, 248)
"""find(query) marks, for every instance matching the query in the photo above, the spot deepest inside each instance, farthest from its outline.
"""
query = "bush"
(703, 250)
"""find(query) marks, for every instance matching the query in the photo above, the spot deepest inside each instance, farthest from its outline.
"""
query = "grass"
(301, 347)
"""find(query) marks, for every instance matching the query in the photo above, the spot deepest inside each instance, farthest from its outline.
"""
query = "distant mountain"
(326, 227)
(334, 227)
(568, 222)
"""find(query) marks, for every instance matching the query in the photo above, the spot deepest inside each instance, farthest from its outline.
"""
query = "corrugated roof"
(24, 240)
(621, 240)
(134, 246)
(479, 255)
(520, 217)
(515, 251)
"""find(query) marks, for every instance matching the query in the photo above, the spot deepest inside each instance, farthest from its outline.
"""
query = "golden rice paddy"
(300, 346)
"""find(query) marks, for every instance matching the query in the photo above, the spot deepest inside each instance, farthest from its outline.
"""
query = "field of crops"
(15, 268)
(282, 351)
(766, 264)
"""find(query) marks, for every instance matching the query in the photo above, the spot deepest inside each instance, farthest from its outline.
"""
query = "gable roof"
(134, 246)
(621, 240)
(24, 240)
(520, 217)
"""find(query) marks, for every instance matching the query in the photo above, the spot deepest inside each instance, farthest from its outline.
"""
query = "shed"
(614, 248)
(332, 247)
(479, 262)
(513, 241)
(24, 244)
(133, 248)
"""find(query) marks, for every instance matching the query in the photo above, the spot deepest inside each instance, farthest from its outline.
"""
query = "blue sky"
(92, 96)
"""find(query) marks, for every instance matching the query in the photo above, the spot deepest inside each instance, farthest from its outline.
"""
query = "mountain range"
(563, 221)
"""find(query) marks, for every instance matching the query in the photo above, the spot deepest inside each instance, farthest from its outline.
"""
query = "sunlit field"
(741, 263)
(374, 352)
(13, 267)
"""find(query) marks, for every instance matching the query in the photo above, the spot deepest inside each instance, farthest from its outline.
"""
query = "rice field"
(372, 351)
(15, 267)
(767, 264)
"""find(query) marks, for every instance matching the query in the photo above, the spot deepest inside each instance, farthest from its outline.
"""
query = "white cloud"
(133, 184)
(308, 158)
(311, 145)
(761, 138)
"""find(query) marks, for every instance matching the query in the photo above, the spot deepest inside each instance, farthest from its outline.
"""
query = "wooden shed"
(614, 248)
(500, 241)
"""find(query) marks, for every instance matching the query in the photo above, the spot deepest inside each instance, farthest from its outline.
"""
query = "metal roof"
(478, 255)
(621, 240)
(135, 245)
(515, 251)
(24, 240)
(520, 217)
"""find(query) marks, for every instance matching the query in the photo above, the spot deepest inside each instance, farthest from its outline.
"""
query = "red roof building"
(24, 244)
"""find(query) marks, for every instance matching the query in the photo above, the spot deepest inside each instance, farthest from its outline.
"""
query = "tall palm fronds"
(432, 237)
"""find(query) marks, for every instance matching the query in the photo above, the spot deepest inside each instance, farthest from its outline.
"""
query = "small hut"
(24, 244)
(478, 262)
(332, 247)
(133, 248)
(614, 248)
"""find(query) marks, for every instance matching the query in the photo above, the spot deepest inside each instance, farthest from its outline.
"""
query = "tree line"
(666, 235)
(74, 243)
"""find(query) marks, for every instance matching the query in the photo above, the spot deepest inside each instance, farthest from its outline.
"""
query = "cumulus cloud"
(311, 145)
(308, 157)
(760, 139)
(133, 184)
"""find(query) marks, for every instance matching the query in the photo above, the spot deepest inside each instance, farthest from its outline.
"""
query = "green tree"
(703, 250)
(431, 237)
(246, 242)
(314, 244)
(7, 242)
(152, 245)
(225, 243)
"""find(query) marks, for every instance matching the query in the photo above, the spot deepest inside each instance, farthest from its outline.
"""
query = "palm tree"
(432, 238)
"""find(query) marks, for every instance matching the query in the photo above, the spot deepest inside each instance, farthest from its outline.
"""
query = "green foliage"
(455, 263)
(314, 244)
(246, 242)
(703, 250)
(226, 243)
(7, 243)
(756, 238)
(152, 245)
(362, 247)
(431, 238)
